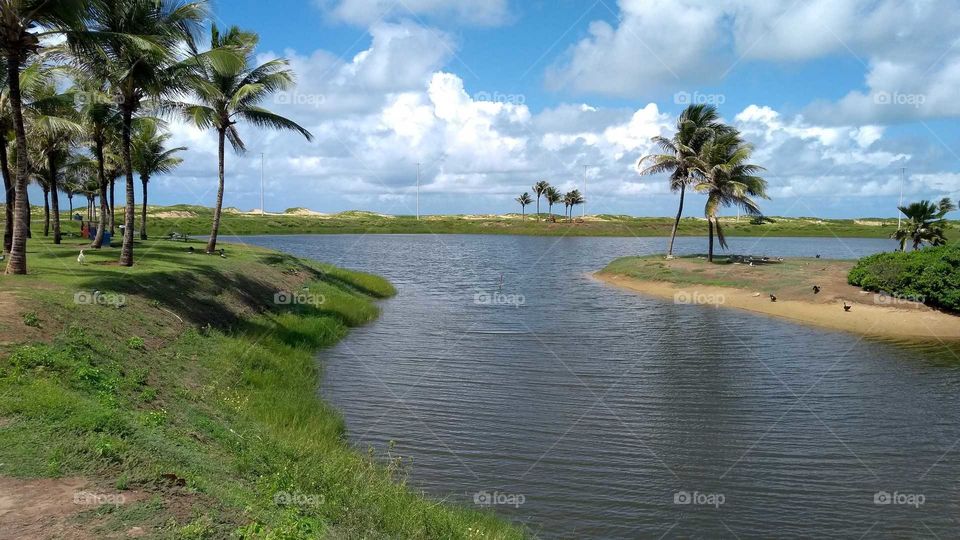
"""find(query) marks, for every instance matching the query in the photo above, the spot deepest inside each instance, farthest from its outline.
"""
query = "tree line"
(552, 195)
(87, 90)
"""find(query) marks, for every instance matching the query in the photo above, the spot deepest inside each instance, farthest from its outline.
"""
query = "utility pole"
(262, 209)
(903, 174)
(585, 191)
(418, 191)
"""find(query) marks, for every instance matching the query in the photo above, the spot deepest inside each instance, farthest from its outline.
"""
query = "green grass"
(124, 393)
(195, 220)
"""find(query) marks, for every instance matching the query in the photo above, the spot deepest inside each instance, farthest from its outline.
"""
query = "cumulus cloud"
(908, 50)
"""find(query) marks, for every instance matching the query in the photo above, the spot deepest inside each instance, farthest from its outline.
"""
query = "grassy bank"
(196, 220)
(183, 386)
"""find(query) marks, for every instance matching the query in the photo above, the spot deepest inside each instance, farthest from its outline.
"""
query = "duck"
(846, 306)
(82, 259)
(816, 289)
(773, 298)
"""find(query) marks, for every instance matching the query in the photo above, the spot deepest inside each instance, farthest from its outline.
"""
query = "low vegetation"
(185, 383)
(930, 275)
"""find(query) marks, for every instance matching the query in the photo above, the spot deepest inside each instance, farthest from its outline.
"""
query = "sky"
(490, 96)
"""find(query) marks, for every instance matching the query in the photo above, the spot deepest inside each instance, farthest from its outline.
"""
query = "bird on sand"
(816, 289)
(773, 298)
(846, 306)
(82, 259)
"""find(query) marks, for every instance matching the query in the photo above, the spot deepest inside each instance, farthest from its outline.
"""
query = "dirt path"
(43, 509)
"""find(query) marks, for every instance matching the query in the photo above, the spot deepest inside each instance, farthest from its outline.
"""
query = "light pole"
(262, 210)
(903, 174)
(418, 191)
(585, 167)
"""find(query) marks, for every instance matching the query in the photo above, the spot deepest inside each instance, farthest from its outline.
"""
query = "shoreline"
(911, 322)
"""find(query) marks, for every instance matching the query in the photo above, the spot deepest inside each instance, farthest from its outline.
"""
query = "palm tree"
(524, 200)
(723, 173)
(696, 125)
(101, 125)
(150, 157)
(553, 196)
(52, 126)
(572, 199)
(135, 46)
(539, 189)
(228, 93)
(23, 24)
(925, 223)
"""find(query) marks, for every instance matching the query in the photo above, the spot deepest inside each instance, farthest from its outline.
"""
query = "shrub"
(932, 274)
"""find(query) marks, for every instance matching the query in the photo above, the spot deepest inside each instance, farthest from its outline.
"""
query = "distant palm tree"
(553, 196)
(136, 46)
(232, 92)
(151, 157)
(570, 200)
(22, 25)
(539, 189)
(727, 179)
(925, 223)
(696, 125)
(524, 200)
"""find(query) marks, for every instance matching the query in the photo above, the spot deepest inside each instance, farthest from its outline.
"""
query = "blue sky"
(492, 95)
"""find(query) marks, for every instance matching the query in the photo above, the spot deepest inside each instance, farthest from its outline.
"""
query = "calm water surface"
(601, 411)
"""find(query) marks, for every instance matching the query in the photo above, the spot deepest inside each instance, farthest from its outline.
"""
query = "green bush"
(931, 274)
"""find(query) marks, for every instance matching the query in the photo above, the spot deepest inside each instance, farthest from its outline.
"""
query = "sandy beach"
(870, 314)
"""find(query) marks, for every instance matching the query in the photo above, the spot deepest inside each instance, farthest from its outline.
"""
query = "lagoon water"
(584, 411)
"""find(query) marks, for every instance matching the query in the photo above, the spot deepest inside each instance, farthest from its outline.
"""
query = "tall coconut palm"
(925, 223)
(539, 189)
(524, 200)
(228, 93)
(572, 199)
(52, 128)
(101, 126)
(696, 125)
(553, 196)
(723, 174)
(136, 46)
(151, 157)
(23, 24)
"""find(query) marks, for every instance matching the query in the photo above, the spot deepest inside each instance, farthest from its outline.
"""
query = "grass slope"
(187, 384)
(195, 220)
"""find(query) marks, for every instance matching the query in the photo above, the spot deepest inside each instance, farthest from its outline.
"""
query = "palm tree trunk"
(21, 222)
(70, 199)
(143, 209)
(46, 211)
(710, 249)
(113, 208)
(126, 251)
(101, 177)
(54, 198)
(10, 193)
(538, 208)
(212, 243)
(676, 222)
